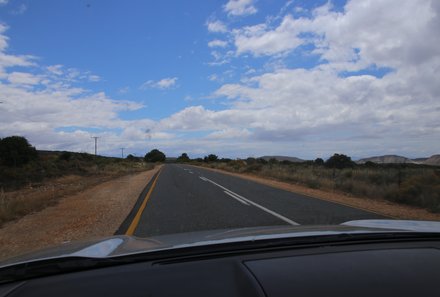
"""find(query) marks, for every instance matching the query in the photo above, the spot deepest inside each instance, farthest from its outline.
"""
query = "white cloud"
(94, 78)
(385, 33)
(217, 43)
(259, 40)
(213, 77)
(240, 7)
(11, 60)
(124, 90)
(357, 115)
(3, 2)
(230, 133)
(299, 9)
(55, 114)
(165, 83)
(19, 10)
(3, 38)
(303, 112)
(318, 111)
(55, 69)
(22, 78)
(216, 26)
(44, 115)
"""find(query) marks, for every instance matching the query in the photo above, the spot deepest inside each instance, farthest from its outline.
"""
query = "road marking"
(251, 202)
(308, 195)
(236, 198)
(135, 222)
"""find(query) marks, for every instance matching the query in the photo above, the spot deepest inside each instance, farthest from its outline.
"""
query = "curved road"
(184, 198)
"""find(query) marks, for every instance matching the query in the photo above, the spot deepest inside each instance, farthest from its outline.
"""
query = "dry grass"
(40, 184)
(87, 215)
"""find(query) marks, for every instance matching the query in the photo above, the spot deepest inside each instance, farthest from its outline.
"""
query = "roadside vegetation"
(31, 180)
(410, 184)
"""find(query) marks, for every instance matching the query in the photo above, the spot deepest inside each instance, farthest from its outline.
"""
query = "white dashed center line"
(246, 201)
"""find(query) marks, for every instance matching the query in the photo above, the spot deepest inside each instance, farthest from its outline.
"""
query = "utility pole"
(122, 152)
(96, 144)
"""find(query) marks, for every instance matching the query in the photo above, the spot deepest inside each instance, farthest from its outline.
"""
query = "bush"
(155, 156)
(183, 158)
(65, 156)
(421, 191)
(132, 158)
(253, 167)
(16, 151)
(211, 158)
(319, 161)
(339, 161)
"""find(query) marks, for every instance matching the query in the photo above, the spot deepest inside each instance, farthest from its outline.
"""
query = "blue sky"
(237, 78)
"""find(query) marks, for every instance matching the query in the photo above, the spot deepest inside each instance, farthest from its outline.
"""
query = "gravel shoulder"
(92, 213)
(379, 206)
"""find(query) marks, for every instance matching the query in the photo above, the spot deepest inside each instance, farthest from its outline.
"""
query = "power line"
(96, 144)
(122, 152)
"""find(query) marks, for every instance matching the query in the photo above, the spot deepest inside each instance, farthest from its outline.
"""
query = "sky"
(237, 78)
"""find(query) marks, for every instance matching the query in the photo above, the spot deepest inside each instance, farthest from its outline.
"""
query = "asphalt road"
(186, 198)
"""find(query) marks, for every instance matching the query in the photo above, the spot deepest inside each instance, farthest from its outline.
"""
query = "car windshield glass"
(183, 121)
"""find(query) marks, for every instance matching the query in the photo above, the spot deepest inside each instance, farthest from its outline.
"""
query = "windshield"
(162, 118)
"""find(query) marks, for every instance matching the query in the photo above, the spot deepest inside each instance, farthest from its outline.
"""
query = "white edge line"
(254, 204)
(236, 198)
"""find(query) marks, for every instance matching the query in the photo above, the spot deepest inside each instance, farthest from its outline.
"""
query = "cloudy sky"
(236, 78)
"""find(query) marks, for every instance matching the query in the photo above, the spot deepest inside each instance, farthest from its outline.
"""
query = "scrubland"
(42, 182)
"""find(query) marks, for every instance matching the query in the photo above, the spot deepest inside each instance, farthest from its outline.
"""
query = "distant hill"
(386, 160)
(434, 160)
(283, 158)
(420, 160)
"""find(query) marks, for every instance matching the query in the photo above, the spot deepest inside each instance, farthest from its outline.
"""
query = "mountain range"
(387, 159)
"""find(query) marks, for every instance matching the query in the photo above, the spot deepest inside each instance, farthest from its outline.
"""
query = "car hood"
(122, 245)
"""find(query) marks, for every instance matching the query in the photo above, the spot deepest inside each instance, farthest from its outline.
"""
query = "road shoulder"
(95, 212)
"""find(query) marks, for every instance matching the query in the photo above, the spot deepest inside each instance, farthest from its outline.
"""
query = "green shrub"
(421, 191)
(339, 161)
(16, 151)
(65, 156)
(154, 156)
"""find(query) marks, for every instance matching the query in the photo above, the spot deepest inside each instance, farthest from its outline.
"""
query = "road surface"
(184, 198)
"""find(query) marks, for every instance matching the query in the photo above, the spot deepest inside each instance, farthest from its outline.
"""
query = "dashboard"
(367, 269)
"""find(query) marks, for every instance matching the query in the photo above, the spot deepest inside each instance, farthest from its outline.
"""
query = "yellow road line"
(136, 219)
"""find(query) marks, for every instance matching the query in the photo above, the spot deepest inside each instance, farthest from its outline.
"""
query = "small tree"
(339, 161)
(211, 158)
(16, 151)
(319, 161)
(273, 161)
(154, 156)
(130, 157)
(251, 161)
(370, 164)
(262, 161)
(183, 158)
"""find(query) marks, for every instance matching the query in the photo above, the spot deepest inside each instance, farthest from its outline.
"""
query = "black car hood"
(122, 245)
